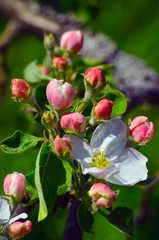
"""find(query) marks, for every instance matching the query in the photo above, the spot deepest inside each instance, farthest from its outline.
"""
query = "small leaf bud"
(49, 119)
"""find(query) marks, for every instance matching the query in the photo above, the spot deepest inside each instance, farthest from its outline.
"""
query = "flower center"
(100, 161)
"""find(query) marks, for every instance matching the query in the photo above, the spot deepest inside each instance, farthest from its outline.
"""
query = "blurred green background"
(134, 26)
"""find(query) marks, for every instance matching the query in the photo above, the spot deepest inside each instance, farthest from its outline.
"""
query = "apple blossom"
(61, 96)
(15, 185)
(107, 158)
(60, 63)
(141, 130)
(20, 88)
(102, 195)
(63, 147)
(74, 122)
(103, 109)
(95, 78)
(72, 41)
(18, 230)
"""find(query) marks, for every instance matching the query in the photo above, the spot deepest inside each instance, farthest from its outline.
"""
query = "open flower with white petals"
(5, 217)
(107, 158)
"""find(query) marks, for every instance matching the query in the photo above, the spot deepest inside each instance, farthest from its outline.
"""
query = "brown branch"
(29, 15)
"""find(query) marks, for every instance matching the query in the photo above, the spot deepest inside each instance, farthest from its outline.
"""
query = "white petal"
(4, 210)
(131, 166)
(20, 216)
(81, 150)
(100, 173)
(110, 137)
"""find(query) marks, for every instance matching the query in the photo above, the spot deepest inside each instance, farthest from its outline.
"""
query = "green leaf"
(31, 188)
(33, 75)
(49, 174)
(19, 142)
(122, 219)
(40, 95)
(85, 218)
(63, 188)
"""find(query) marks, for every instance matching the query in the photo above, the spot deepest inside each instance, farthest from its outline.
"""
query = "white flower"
(107, 158)
(5, 215)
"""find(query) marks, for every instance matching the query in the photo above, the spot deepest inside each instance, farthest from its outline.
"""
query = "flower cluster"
(78, 126)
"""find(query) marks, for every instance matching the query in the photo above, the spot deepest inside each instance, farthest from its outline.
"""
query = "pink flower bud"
(14, 185)
(61, 96)
(60, 63)
(141, 130)
(49, 119)
(63, 147)
(72, 41)
(20, 88)
(43, 69)
(18, 230)
(95, 78)
(73, 122)
(102, 195)
(103, 109)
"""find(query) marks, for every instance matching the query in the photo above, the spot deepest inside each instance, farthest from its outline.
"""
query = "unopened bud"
(20, 89)
(61, 96)
(49, 119)
(102, 196)
(15, 185)
(141, 130)
(17, 230)
(60, 63)
(103, 109)
(63, 147)
(74, 123)
(72, 41)
(95, 79)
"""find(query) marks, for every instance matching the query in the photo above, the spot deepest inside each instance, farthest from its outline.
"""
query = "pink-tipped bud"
(17, 230)
(141, 130)
(63, 147)
(43, 69)
(102, 196)
(72, 41)
(60, 63)
(49, 119)
(103, 109)
(95, 78)
(20, 88)
(61, 96)
(14, 185)
(73, 123)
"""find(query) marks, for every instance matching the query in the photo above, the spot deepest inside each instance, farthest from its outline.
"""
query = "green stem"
(75, 175)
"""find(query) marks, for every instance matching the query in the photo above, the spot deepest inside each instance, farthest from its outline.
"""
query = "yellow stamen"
(100, 161)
